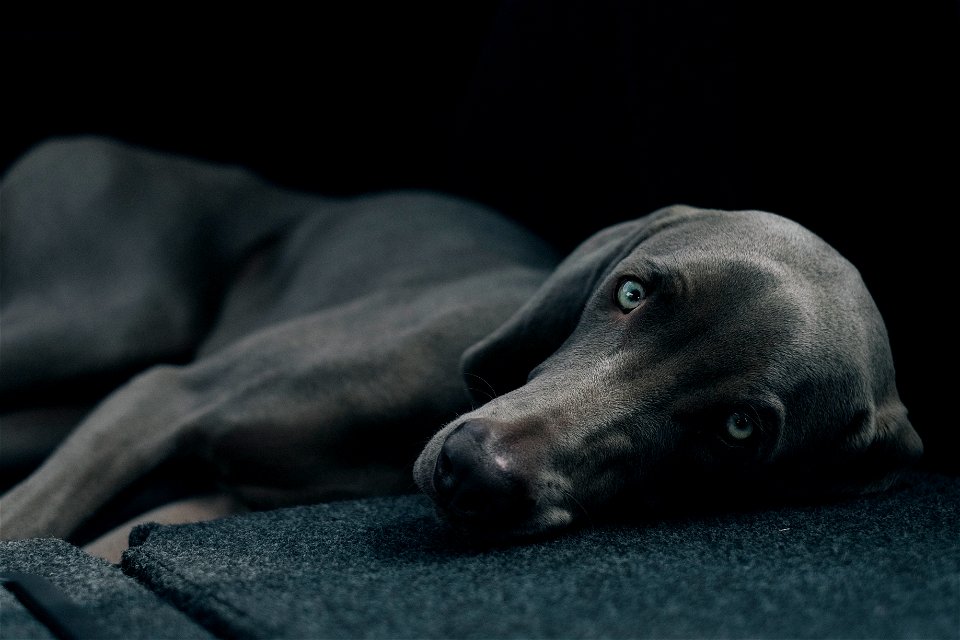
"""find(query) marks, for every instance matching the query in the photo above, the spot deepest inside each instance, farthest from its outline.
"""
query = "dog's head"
(685, 356)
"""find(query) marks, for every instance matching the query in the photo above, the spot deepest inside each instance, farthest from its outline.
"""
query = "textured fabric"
(17, 622)
(120, 607)
(877, 567)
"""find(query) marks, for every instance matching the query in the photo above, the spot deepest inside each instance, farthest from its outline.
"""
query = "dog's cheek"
(603, 469)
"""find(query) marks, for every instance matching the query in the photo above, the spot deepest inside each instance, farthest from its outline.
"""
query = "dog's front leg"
(131, 432)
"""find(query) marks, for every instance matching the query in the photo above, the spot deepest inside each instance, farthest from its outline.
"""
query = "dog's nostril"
(474, 484)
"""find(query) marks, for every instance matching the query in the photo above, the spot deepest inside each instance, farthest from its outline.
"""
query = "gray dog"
(322, 344)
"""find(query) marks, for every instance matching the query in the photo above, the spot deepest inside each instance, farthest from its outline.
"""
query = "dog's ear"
(502, 360)
(883, 444)
(876, 446)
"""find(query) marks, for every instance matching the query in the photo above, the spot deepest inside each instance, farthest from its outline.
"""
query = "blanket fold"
(99, 600)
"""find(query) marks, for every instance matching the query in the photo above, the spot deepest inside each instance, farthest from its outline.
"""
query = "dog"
(310, 348)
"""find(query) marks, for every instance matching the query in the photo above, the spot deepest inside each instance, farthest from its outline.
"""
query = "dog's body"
(327, 341)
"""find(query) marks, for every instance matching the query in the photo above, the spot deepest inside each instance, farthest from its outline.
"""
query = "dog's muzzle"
(477, 486)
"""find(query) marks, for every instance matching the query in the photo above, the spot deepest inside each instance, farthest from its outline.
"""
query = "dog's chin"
(490, 532)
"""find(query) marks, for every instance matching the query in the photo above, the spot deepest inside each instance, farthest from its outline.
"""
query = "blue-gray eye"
(630, 295)
(739, 426)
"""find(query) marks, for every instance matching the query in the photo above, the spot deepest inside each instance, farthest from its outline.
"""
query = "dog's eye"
(739, 427)
(630, 294)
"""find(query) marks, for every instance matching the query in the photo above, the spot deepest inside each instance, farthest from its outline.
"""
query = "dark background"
(567, 116)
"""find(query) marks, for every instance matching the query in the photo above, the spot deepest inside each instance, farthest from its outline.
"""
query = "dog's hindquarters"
(113, 257)
(330, 343)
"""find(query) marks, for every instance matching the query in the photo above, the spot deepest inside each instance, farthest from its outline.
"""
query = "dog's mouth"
(497, 530)
(498, 518)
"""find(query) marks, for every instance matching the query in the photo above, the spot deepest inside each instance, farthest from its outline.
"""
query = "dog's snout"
(476, 484)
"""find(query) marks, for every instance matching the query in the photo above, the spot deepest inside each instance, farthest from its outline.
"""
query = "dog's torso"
(351, 328)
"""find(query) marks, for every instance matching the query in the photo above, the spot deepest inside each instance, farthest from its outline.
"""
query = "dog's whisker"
(489, 392)
(583, 509)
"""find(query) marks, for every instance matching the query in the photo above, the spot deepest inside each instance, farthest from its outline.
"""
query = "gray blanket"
(884, 566)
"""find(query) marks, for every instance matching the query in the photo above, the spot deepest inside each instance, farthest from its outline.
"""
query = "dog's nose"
(476, 485)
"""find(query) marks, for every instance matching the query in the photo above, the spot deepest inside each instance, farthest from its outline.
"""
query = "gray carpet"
(883, 566)
(113, 605)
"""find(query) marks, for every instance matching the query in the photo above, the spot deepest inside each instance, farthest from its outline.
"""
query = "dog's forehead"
(757, 252)
(756, 280)
(734, 235)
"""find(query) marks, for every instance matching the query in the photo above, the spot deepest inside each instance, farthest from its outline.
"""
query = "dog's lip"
(523, 518)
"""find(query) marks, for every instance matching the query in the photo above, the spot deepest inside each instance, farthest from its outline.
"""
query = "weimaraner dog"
(319, 345)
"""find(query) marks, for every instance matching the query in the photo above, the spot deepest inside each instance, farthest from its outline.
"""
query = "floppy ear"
(502, 360)
(885, 444)
(878, 445)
